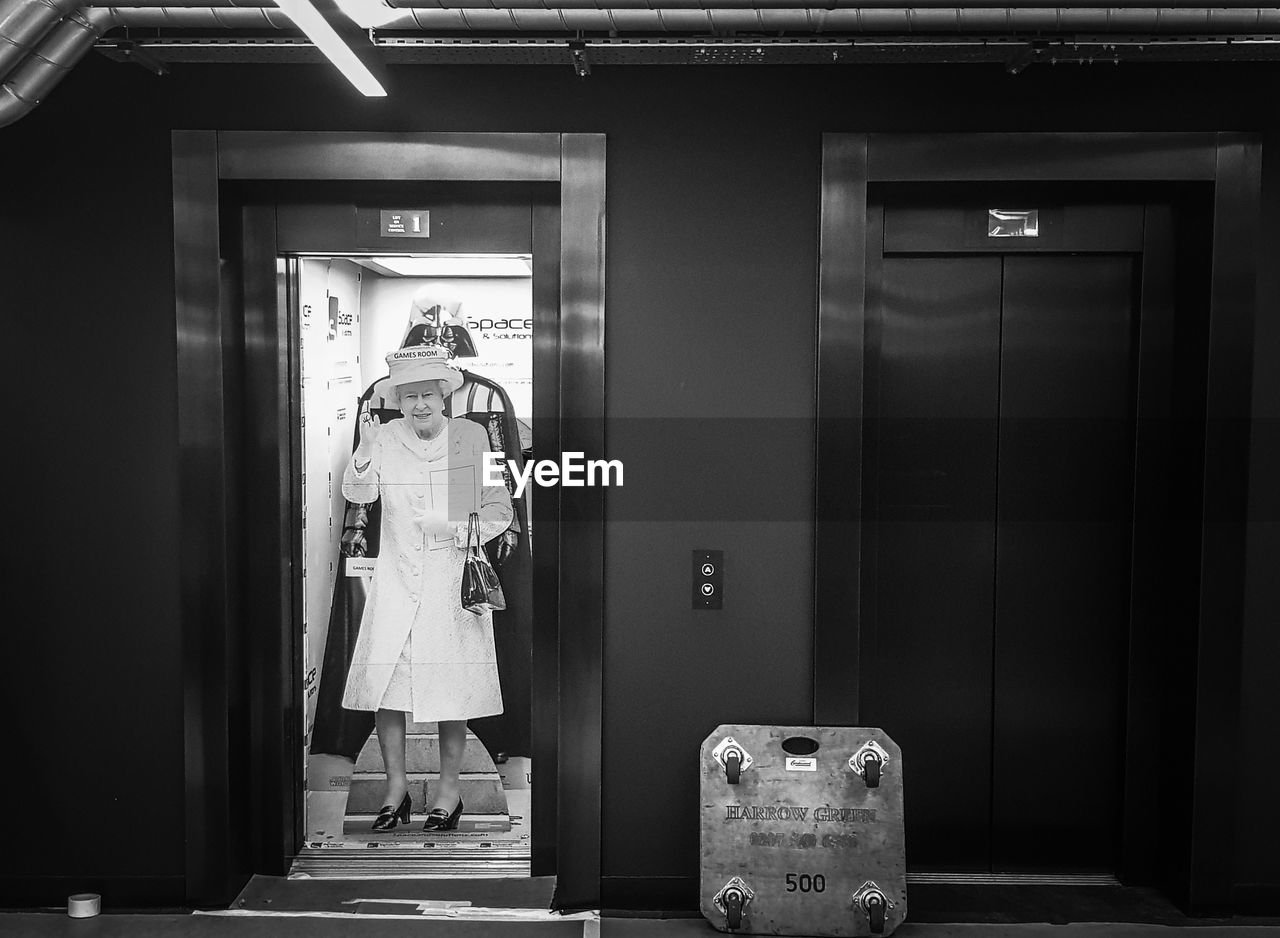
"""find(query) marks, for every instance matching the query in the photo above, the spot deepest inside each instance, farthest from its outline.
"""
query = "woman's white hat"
(421, 363)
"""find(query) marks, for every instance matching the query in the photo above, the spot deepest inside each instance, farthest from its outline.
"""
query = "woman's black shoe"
(441, 820)
(389, 816)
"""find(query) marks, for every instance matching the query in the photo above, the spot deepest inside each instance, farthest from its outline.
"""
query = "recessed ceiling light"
(450, 265)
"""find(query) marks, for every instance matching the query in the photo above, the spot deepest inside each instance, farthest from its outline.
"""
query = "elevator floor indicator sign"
(405, 223)
(802, 831)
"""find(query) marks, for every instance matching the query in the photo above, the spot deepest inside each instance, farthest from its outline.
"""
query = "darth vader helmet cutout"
(434, 320)
(455, 336)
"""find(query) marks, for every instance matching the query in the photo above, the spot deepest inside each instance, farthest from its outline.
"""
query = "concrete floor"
(284, 908)
(275, 925)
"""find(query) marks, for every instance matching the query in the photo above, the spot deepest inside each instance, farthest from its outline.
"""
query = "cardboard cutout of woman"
(342, 732)
(419, 652)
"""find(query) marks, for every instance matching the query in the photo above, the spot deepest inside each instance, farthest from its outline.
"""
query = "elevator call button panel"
(708, 579)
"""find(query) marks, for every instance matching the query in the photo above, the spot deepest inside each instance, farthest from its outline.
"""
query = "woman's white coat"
(416, 590)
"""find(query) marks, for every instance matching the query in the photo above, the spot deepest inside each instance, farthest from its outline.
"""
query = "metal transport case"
(801, 831)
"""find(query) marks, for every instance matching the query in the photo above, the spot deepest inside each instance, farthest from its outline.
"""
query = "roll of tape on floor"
(84, 905)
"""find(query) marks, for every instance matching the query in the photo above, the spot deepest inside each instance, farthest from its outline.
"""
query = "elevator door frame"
(219, 356)
(1230, 164)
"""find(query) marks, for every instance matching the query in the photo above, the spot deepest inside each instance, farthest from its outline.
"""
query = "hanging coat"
(414, 628)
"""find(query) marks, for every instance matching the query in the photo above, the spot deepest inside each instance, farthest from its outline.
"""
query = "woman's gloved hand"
(370, 425)
(436, 522)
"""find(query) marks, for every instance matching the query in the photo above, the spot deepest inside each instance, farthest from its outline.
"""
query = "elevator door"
(998, 482)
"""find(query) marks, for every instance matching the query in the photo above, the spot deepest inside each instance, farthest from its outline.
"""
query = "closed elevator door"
(998, 483)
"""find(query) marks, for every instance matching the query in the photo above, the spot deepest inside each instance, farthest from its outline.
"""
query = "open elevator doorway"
(351, 311)
(246, 206)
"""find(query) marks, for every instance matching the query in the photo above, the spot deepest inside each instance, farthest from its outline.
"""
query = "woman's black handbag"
(481, 591)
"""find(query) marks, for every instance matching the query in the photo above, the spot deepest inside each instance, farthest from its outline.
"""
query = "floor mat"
(278, 894)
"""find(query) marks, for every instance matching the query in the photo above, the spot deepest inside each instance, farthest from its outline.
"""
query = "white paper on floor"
(459, 914)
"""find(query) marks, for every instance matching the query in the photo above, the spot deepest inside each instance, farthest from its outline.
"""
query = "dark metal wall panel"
(1157, 616)
(1226, 487)
(1257, 890)
(837, 538)
(963, 228)
(347, 155)
(269, 555)
(933, 371)
(545, 680)
(1183, 558)
(1049, 157)
(201, 432)
(582, 233)
(476, 227)
(1065, 480)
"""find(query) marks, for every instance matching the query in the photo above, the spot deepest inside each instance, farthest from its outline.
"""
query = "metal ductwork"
(503, 6)
(23, 23)
(48, 62)
(720, 32)
(40, 40)
(675, 18)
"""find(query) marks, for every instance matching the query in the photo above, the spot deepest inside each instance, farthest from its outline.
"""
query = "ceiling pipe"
(41, 64)
(816, 5)
(726, 5)
(46, 65)
(23, 23)
(811, 22)
(202, 17)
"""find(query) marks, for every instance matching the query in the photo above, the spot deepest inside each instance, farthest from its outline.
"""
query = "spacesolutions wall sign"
(405, 223)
